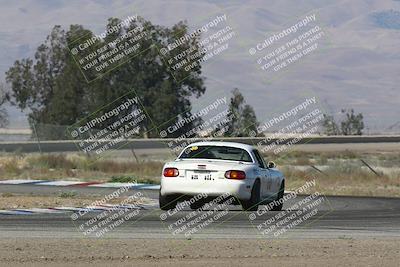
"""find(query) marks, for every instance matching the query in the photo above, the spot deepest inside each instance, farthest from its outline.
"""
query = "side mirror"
(271, 164)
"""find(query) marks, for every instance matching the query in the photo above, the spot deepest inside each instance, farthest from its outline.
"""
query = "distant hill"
(389, 19)
(356, 66)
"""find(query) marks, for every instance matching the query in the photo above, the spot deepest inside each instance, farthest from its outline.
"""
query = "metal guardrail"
(71, 145)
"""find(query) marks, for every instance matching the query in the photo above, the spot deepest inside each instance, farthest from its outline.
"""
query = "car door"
(264, 175)
(276, 178)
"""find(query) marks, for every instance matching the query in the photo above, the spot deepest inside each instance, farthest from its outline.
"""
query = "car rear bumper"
(240, 189)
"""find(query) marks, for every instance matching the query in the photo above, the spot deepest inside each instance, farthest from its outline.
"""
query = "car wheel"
(167, 202)
(254, 201)
(197, 205)
(279, 197)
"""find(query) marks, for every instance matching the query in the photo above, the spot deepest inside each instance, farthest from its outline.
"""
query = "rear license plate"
(201, 175)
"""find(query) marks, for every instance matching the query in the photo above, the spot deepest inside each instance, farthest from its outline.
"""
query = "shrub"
(58, 161)
(11, 166)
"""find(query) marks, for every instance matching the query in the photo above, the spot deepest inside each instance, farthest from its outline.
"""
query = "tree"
(52, 88)
(3, 111)
(351, 124)
(330, 126)
(244, 119)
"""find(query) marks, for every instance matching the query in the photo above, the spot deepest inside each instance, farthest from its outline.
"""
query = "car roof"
(219, 143)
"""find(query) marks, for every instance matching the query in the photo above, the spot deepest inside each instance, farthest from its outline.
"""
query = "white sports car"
(218, 168)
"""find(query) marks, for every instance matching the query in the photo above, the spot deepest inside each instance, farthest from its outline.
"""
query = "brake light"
(171, 172)
(237, 175)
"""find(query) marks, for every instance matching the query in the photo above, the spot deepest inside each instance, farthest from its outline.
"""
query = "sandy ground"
(199, 252)
(10, 201)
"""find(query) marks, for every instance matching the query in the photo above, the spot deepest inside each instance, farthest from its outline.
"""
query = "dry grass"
(344, 173)
(303, 161)
(61, 166)
(11, 166)
(345, 179)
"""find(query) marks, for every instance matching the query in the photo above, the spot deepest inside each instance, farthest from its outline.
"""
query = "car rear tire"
(254, 201)
(167, 202)
(197, 205)
(279, 197)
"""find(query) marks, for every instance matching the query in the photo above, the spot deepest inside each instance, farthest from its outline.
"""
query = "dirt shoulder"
(199, 252)
(12, 201)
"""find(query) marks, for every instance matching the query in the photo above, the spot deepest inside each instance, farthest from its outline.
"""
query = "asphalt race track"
(337, 217)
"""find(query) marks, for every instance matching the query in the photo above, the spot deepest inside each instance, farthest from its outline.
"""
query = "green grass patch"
(131, 179)
(70, 194)
(123, 179)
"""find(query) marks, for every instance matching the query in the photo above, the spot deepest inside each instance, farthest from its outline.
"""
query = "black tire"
(279, 197)
(167, 202)
(197, 205)
(254, 201)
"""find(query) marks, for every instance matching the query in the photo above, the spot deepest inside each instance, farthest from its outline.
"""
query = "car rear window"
(216, 152)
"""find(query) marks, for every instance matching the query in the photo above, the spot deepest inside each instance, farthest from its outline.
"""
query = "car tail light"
(237, 175)
(171, 172)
